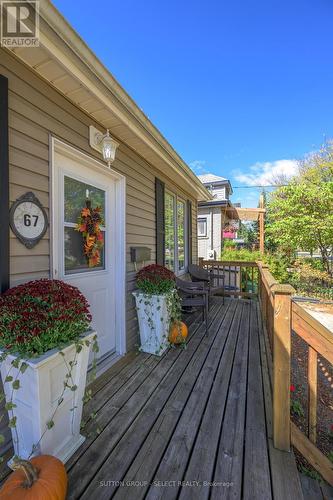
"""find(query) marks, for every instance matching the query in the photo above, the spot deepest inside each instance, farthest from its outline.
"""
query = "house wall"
(213, 238)
(37, 111)
(218, 193)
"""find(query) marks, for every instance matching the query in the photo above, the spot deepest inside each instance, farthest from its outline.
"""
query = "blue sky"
(240, 89)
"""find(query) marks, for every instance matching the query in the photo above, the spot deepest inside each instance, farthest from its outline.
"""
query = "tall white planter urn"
(154, 322)
(37, 401)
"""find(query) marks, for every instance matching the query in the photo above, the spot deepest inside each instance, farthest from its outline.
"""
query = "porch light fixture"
(103, 143)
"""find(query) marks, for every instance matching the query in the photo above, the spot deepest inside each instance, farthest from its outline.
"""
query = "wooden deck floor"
(193, 424)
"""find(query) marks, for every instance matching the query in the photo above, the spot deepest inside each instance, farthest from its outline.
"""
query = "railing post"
(281, 365)
(263, 294)
(312, 390)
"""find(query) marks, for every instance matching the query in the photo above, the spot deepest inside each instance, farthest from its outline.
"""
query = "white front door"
(74, 181)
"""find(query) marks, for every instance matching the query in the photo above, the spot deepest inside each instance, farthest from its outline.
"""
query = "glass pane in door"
(75, 195)
(75, 260)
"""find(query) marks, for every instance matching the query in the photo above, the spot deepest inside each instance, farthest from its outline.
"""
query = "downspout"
(222, 228)
(4, 185)
(211, 229)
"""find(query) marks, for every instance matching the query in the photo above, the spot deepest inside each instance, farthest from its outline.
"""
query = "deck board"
(171, 426)
(202, 460)
(167, 371)
(257, 481)
(195, 423)
(229, 460)
(177, 454)
(160, 436)
(145, 420)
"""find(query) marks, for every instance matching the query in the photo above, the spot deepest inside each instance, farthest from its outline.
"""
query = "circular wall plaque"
(28, 219)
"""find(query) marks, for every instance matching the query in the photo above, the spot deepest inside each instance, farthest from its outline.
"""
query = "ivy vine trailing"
(34, 318)
(155, 281)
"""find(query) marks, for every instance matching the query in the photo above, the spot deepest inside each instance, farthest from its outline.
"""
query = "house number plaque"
(28, 219)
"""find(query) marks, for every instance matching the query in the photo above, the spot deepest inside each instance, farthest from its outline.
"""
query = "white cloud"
(198, 166)
(265, 173)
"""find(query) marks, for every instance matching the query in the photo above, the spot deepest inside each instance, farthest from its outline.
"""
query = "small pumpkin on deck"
(41, 478)
(178, 333)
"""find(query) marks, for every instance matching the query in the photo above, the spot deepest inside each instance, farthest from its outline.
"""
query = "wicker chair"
(214, 281)
(194, 295)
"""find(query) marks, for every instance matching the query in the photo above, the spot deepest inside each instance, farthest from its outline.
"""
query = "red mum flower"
(155, 273)
(42, 314)
(292, 388)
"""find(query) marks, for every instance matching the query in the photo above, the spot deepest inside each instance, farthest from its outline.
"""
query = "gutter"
(214, 203)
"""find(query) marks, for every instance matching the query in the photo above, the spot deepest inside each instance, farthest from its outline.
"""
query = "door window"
(75, 195)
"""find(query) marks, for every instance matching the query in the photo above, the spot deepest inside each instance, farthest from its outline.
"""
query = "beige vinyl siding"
(37, 110)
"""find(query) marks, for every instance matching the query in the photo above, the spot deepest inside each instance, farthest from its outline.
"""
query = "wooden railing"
(275, 303)
(240, 277)
(281, 314)
(320, 342)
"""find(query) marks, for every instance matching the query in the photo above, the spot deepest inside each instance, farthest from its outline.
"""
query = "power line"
(265, 186)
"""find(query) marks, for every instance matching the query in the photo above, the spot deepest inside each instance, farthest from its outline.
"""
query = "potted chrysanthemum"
(45, 340)
(158, 305)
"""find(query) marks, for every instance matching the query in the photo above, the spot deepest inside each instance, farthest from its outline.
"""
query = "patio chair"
(214, 281)
(194, 295)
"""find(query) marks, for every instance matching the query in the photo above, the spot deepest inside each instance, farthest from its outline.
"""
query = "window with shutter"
(173, 229)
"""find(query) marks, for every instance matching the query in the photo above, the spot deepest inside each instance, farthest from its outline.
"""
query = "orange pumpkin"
(178, 333)
(41, 478)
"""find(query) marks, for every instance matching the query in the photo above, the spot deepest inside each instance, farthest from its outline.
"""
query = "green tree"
(301, 213)
(248, 233)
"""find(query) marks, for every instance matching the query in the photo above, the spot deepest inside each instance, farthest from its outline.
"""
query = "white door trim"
(58, 146)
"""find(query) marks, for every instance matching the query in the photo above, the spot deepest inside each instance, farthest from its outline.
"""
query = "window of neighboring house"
(202, 227)
(175, 233)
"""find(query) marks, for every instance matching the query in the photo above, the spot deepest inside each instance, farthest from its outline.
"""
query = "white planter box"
(154, 322)
(40, 388)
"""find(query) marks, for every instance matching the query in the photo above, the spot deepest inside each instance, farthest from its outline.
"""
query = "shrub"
(41, 315)
(315, 263)
(155, 280)
(229, 244)
(231, 253)
(310, 280)
(278, 265)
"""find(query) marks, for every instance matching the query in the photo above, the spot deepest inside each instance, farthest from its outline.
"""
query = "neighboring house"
(213, 222)
(50, 97)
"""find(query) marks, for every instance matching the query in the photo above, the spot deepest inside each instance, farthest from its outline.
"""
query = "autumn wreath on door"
(89, 225)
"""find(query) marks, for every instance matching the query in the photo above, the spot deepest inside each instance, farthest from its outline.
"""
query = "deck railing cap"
(283, 289)
(262, 264)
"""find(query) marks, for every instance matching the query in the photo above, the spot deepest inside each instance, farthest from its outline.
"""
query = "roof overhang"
(67, 63)
(214, 203)
(215, 184)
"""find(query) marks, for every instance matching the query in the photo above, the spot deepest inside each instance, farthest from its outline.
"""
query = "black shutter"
(189, 231)
(160, 222)
(4, 186)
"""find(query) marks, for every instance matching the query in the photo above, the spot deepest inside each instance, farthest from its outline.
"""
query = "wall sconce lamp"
(103, 143)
